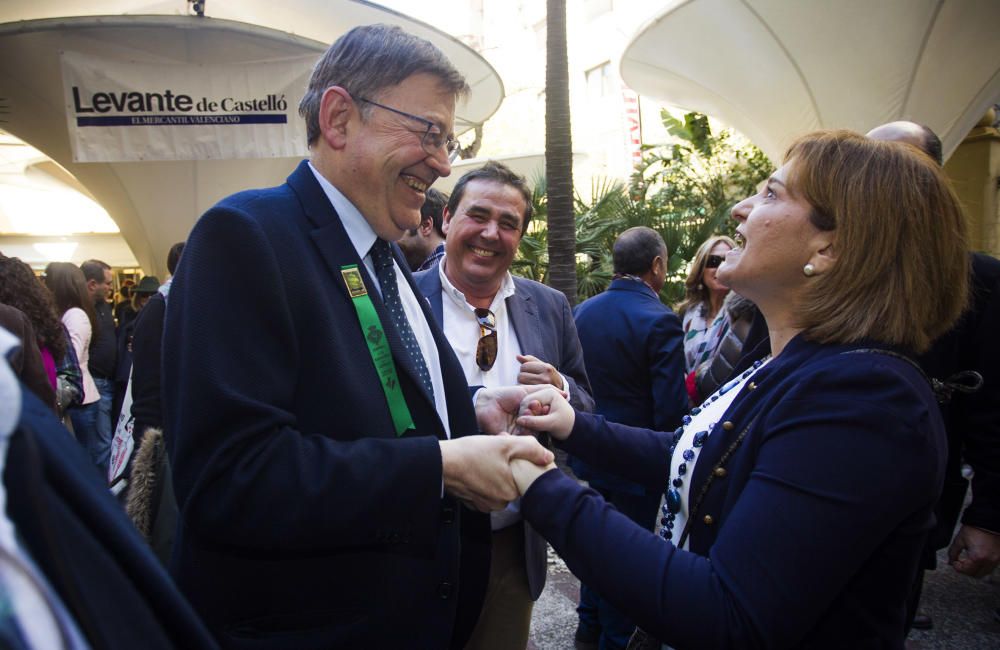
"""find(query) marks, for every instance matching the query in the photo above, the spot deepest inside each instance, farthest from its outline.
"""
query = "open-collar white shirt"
(461, 327)
(362, 237)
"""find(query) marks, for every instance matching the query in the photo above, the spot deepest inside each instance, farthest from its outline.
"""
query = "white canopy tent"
(775, 69)
(155, 203)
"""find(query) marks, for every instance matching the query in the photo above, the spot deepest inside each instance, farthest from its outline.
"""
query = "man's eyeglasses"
(714, 261)
(486, 351)
(432, 139)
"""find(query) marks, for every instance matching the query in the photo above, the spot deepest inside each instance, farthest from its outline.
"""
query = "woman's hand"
(525, 472)
(497, 408)
(547, 411)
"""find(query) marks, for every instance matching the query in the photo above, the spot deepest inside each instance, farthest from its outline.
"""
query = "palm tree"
(559, 155)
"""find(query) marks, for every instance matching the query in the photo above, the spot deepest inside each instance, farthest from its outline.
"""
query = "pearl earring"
(809, 270)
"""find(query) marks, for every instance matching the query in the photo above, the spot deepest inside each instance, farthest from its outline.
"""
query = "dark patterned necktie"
(382, 259)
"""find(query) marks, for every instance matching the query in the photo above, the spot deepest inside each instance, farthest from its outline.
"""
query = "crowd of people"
(351, 446)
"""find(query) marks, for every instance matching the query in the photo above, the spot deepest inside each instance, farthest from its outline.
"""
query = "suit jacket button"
(751, 386)
(447, 515)
(444, 590)
(720, 472)
(708, 520)
(728, 426)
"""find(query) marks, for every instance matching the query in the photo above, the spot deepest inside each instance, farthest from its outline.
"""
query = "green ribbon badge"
(378, 347)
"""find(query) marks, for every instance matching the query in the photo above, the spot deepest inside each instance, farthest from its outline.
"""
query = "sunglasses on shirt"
(714, 261)
(486, 350)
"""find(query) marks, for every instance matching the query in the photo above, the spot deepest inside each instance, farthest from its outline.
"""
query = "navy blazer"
(544, 327)
(633, 347)
(305, 521)
(808, 536)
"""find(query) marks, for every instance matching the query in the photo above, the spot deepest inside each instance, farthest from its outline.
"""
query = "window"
(599, 83)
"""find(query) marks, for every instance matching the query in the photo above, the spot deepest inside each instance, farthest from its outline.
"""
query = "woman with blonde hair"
(800, 493)
(702, 317)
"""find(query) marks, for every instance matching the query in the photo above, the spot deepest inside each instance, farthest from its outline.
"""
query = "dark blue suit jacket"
(544, 327)
(305, 521)
(809, 535)
(633, 346)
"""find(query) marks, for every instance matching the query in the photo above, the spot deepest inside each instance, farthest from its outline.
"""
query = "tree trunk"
(559, 155)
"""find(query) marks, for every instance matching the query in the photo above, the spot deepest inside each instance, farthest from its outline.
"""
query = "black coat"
(112, 586)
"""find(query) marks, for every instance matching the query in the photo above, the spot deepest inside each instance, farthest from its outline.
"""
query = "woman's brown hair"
(902, 267)
(69, 289)
(696, 291)
(21, 289)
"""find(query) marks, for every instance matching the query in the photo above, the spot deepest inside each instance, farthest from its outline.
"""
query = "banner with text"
(125, 111)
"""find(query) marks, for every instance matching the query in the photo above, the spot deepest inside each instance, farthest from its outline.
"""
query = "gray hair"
(367, 60)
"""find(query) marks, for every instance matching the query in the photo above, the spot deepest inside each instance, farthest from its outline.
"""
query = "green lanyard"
(378, 346)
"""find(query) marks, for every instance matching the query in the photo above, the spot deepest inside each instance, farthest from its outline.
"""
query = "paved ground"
(963, 610)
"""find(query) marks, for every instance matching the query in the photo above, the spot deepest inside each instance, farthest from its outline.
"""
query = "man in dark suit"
(634, 351)
(505, 330)
(317, 421)
(971, 419)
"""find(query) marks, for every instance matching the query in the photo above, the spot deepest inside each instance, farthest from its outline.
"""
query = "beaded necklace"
(673, 499)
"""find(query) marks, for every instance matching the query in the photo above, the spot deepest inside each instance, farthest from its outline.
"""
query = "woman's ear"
(335, 111)
(825, 255)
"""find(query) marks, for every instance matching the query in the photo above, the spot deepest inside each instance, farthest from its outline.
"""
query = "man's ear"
(335, 110)
(426, 227)
(445, 220)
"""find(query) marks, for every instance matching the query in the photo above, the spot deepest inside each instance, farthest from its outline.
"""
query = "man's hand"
(547, 411)
(534, 372)
(476, 469)
(974, 551)
(497, 408)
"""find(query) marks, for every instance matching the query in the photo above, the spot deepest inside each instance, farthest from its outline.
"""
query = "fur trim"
(143, 494)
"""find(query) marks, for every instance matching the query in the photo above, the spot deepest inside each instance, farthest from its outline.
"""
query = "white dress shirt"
(360, 232)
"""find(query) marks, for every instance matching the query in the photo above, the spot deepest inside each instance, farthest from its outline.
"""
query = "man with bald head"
(972, 420)
(918, 135)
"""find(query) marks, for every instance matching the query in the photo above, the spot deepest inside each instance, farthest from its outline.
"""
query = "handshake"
(487, 472)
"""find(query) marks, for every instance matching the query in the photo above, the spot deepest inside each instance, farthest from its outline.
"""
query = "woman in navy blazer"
(799, 495)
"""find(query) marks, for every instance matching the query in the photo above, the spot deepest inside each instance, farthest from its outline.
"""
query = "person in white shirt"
(505, 330)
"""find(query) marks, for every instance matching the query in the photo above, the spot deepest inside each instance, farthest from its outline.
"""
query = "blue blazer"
(633, 346)
(544, 327)
(305, 521)
(807, 536)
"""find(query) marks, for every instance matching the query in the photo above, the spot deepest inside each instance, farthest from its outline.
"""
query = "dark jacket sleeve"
(978, 414)
(147, 339)
(666, 371)
(818, 505)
